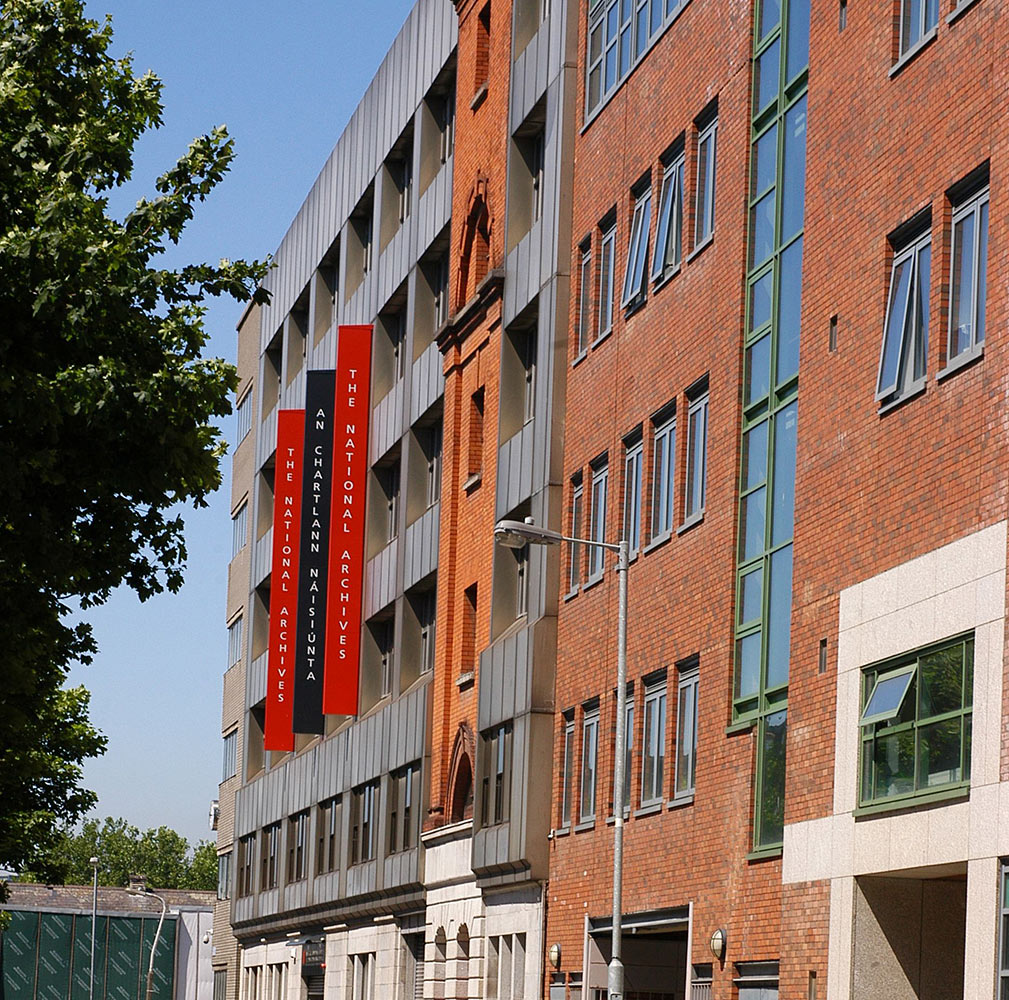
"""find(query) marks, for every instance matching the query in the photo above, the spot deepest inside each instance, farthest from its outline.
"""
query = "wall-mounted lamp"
(717, 944)
(555, 955)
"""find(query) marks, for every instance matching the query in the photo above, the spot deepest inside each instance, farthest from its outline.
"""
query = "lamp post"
(514, 535)
(157, 934)
(94, 920)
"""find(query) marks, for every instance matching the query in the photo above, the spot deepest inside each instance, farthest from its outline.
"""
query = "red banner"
(346, 553)
(278, 733)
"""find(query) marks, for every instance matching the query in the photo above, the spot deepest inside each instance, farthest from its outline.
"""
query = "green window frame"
(915, 726)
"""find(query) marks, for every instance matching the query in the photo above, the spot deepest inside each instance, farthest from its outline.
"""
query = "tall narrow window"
(528, 358)
(403, 814)
(427, 627)
(537, 153)
(495, 767)
(606, 252)
(224, 875)
(653, 744)
(597, 517)
(327, 858)
(362, 823)
(297, 847)
(632, 496)
(246, 861)
(590, 753)
(669, 231)
(567, 769)
(270, 856)
(697, 447)
(431, 441)
(441, 292)
(575, 549)
(905, 336)
(243, 414)
(446, 124)
(384, 631)
(475, 449)
(628, 748)
(917, 19)
(969, 262)
(239, 528)
(686, 730)
(585, 299)
(388, 478)
(230, 755)
(235, 641)
(635, 278)
(663, 465)
(704, 199)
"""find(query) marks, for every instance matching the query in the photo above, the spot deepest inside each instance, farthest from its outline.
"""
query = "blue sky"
(285, 79)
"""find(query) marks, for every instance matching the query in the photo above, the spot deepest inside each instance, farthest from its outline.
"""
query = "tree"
(105, 401)
(161, 856)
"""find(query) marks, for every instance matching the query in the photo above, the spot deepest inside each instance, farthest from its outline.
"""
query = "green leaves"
(106, 404)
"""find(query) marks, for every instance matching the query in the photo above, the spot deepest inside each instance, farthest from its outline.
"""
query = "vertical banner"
(346, 560)
(284, 578)
(313, 571)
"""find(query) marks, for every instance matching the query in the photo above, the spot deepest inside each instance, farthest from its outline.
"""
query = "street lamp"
(94, 920)
(157, 933)
(514, 535)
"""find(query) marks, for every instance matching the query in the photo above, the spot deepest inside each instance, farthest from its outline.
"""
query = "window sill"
(585, 824)
(611, 820)
(912, 52)
(605, 335)
(690, 522)
(649, 810)
(764, 853)
(479, 97)
(593, 581)
(743, 726)
(701, 247)
(912, 802)
(962, 360)
(572, 594)
(563, 831)
(663, 279)
(657, 542)
(913, 392)
(687, 799)
(961, 9)
(465, 680)
(579, 358)
(472, 482)
(636, 304)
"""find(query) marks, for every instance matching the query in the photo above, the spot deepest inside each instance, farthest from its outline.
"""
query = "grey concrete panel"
(255, 681)
(380, 579)
(266, 440)
(386, 422)
(420, 555)
(362, 879)
(262, 558)
(426, 381)
(515, 470)
(242, 909)
(295, 894)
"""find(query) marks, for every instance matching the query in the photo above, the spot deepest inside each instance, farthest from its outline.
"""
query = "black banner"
(313, 572)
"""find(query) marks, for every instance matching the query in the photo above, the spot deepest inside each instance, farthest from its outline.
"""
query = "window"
(704, 204)
(590, 754)
(968, 264)
(235, 641)
(697, 446)
(905, 335)
(362, 976)
(606, 250)
(635, 278)
(475, 451)
(362, 822)
(446, 124)
(585, 300)
(506, 967)
(384, 632)
(269, 857)
(428, 604)
(243, 413)
(297, 847)
(327, 856)
(224, 875)
(404, 184)
(917, 19)
(669, 231)
(567, 768)
(686, 731)
(663, 464)
(575, 549)
(441, 292)
(632, 496)
(431, 445)
(653, 743)
(597, 518)
(619, 33)
(536, 154)
(403, 812)
(246, 859)
(239, 528)
(916, 723)
(527, 355)
(388, 480)
(1003, 976)
(628, 748)
(495, 769)
(230, 768)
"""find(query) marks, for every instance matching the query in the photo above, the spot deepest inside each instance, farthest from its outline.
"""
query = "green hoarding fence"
(47, 956)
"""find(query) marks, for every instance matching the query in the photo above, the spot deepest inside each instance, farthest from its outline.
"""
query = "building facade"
(661, 271)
